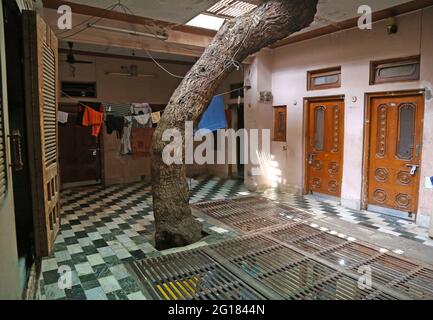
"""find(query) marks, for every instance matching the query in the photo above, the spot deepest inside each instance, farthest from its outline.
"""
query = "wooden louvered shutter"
(41, 65)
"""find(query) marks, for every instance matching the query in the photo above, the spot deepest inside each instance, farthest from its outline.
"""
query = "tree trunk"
(238, 38)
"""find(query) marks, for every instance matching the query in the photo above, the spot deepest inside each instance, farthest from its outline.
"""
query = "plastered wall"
(284, 72)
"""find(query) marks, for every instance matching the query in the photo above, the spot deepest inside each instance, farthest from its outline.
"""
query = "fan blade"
(83, 62)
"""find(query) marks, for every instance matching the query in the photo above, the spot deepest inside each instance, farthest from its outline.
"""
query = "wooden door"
(41, 68)
(395, 152)
(325, 141)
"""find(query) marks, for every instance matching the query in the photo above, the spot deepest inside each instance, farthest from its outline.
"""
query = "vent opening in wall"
(79, 89)
(395, 70)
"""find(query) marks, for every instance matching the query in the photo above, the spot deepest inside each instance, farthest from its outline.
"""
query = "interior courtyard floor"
(103, 229)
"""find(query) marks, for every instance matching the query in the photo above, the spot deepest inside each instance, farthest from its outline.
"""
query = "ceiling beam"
(120, 16)
(178, 42)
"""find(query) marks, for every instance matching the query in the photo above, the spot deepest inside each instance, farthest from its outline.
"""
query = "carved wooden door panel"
(325, 140)
(395, 152)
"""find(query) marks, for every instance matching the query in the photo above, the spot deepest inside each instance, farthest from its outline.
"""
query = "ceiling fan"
(71, 57)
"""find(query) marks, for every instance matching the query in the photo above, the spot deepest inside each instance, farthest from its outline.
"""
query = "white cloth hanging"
(126, 147)
(140, 108)
(62, 117)
(144, 120)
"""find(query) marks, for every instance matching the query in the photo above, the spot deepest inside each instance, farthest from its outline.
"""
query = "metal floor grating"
(418, 285)
(251, 213)
(190, 275)
(280, 257)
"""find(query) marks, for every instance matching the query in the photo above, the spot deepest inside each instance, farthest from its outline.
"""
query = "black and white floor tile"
(376, 221)
(105, 227)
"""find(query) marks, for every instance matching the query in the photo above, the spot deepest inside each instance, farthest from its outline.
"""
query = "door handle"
(414, 168)
(311, 158)
(94, 151)
(17, 161)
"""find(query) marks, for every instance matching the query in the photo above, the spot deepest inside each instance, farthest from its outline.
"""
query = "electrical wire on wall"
(227, 64)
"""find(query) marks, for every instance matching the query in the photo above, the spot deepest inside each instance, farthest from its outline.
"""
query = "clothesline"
(126, 106)
(217, 95)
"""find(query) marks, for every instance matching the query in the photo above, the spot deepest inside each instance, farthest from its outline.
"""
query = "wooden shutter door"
(41, 65)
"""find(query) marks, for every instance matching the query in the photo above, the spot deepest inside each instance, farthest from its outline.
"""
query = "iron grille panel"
(294, 261)
(387, 268)
(351, 255)
(419, 285)
(190, 275)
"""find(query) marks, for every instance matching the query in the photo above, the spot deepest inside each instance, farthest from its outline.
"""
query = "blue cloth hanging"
(214, 117)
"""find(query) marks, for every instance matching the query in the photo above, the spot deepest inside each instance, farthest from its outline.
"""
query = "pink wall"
(119, 168)
(158, 90)
(352, 50)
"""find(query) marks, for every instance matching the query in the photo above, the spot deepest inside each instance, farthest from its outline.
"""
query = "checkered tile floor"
(376, 221)
(103, 228)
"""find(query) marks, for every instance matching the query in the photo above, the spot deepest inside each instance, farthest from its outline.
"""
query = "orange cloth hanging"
(93, 118)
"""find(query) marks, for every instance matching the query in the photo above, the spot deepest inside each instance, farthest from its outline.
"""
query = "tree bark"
(238, 38)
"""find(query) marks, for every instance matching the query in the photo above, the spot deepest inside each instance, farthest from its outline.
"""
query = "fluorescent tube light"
(124, 74)
(130, 32)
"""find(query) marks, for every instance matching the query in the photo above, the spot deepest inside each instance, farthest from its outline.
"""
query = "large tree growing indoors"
(235, 41)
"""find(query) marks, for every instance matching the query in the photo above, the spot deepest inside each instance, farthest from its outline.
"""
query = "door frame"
(307, 101)
(367, 135)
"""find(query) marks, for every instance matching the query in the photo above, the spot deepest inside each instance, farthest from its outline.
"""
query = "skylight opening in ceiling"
(207, 22)
(214, 17)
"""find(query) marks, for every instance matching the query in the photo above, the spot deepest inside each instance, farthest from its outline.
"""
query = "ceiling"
(176, 11)
(180, 12)
(330, 12)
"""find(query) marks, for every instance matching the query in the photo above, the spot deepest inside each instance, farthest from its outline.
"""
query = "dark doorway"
(80, 152)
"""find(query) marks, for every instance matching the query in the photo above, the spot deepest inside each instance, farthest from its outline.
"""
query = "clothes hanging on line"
(125, 147)
(143, 120)
(115, 124)
(62, 117)
(156, 117)
(214, 117)
(140, 108)
(141, 141)
(94, 119)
